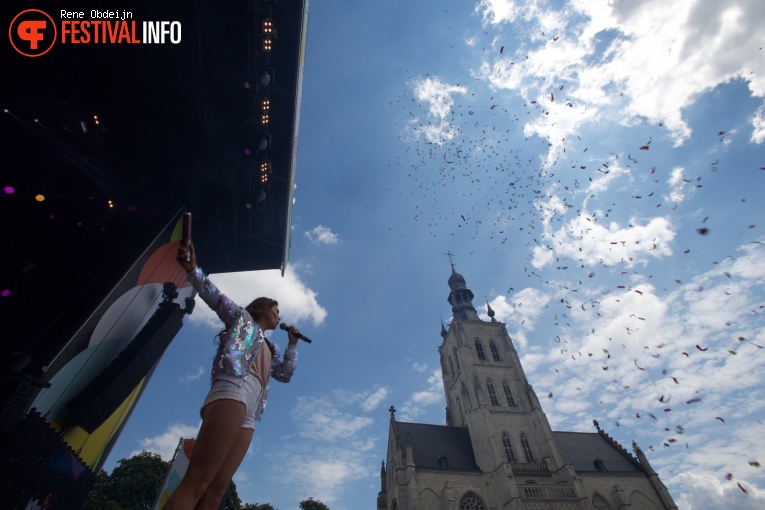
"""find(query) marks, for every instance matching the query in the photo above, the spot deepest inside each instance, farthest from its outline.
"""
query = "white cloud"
(192, 377)
(707, 492)
(296, 301)
(438, 96)
(374, 399)
(338, 452)
(321, 419)
(625, 62)
(585, 240)
(417, 401)
(322, 235)
(522, 310)
(166, 443)
(675, 181)
(758, 123)
(324, 472)
(420, 367)
(652, 362)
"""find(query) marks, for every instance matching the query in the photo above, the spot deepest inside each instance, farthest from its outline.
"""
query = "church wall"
(631, 488)
(439, 490)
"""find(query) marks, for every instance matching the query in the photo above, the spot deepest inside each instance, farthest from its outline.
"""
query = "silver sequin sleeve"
(227, 310)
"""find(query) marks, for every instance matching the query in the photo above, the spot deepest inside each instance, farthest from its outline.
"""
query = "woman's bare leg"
(219, 432)
(217, 488)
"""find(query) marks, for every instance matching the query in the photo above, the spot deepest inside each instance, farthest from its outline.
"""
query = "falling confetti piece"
(39, 198)
(644, 148)
(754, 463)
(740, 487)
(702, 231)
(501, 49)
(5, 293)
(729, 476)
(693, 400)
(641, 368)
(702, 349)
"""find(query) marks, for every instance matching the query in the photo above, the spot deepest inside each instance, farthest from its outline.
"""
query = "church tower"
(497, 450)
(487, 392)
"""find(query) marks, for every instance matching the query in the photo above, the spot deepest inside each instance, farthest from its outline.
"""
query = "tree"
(231, 500)
(312, 504)
(133, 484)
(257, 506)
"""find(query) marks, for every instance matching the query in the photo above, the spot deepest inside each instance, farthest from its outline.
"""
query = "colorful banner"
(178, 467)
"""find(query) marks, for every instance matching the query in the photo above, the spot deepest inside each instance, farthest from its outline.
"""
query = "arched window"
(471, 501)
(492, 393)
(465, 396)
(494, 351)
(526, 448)
(508, 394)
(394, 505)
(462, 413)
(509, 453)
(451, 365)
(479, 350)
(477, 388)
(457, 358)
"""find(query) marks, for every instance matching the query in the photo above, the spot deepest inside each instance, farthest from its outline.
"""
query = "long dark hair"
(260, 306)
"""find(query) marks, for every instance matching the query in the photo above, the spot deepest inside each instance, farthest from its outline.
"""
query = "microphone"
(301, 336)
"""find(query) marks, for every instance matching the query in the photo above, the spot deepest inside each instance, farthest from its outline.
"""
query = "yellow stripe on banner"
(90, 447)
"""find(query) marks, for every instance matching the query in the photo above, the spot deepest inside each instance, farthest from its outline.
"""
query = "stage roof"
(117, 138)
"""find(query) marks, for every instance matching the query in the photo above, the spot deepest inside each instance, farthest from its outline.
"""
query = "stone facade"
(497, 450)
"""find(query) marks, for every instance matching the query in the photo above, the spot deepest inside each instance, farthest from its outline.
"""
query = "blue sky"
(598, 172)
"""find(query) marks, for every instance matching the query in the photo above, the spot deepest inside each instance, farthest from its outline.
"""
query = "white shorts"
(248, 394)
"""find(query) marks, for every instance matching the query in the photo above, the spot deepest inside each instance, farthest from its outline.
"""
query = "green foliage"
(257, 506)
(312, 504)
(133, 484)
(231, 500)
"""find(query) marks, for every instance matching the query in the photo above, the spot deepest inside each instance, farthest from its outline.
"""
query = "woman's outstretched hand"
(184, 251)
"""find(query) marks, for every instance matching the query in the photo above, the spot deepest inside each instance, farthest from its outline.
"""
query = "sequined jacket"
(240, 342)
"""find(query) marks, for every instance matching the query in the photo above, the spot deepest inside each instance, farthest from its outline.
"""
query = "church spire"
(460, 297)
(490, 312)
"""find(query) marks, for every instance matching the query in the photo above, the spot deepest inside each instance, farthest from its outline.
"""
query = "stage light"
(265, 170)
(268, 27)
(40, 198)
(267, 43)
(265, 108)
(10, 190)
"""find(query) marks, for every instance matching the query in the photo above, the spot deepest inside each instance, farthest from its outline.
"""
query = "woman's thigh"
(220, 429)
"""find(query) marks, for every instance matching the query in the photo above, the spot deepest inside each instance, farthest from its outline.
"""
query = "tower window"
(509, 454)
(479, 350)
(492, 393)
(526, 448)
(494, 351)
(599, 465)
(465, 395)
(457, 358)
(508, 394)
(451, 366)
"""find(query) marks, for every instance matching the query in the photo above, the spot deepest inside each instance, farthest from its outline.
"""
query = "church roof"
(429, 442)
(581, 449)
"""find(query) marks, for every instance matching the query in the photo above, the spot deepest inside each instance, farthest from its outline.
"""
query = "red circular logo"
(32, 33)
